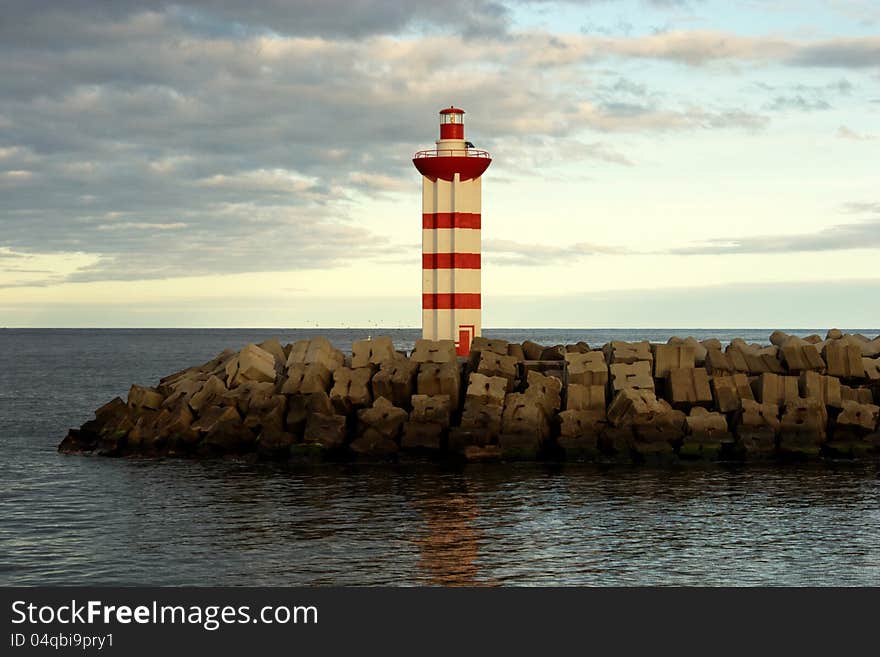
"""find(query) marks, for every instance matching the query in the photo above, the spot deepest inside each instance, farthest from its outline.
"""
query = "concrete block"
(717, 363)
(737, 359)
(327, 431)
(580, 423)
(480, 425)
(686, 386)
(374, 351)
(844, 360)
(273, 346)
(859, 416)
(496, 365)
(756, 426)
(858, 395)
(801, 357)
(523, 415)
(255, 364)
(382, 418)
(431, 409)
(486, 390)
(440, 379)
(434, 351)
(728, 391)
(580, 347)
(802, 427)
(872, 368)
(706, 435)
(396, 381)
(711, 344)
(351, 389)
(143, 397)
(249, 394)
(493, 346)
(545, 391)
(774, 389)
(316, 350)
(482, 453)
(213, 416)
(422, 436)
(532, 350)
(668, 356)
(556, 352)
(636, 375)
(585, 398)
(586, 369)
(629, 352)
(307, 379)
(521, 446)
(516, 351)
(300, 407)
(632, 406)
(824, 388)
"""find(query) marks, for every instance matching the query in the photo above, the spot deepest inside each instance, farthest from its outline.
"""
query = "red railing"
(452, 152)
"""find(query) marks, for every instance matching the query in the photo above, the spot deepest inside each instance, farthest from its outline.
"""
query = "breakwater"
(624, 401)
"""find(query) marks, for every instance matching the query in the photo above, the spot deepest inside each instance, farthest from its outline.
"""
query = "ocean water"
(90, 520)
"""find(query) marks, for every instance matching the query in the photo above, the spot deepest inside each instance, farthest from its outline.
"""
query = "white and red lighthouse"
(451, 191)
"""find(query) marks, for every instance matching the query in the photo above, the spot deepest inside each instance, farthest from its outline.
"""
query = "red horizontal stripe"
(432, 220)
(459, 301)
(450, 261)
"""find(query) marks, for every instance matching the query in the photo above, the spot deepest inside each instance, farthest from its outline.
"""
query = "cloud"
(174, 138)
(511, 252)
(845, 133)
(853, 235)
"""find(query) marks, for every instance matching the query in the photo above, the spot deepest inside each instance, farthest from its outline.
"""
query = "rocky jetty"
(622, 402)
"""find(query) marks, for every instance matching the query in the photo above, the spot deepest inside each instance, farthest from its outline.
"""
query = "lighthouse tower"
(451, 190)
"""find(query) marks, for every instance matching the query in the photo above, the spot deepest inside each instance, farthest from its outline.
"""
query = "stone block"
(859, 416)
(824, 388)
(486, 390)
(255, 364)
(440, 379)
(685, 386)
(636, 375)
(497, 365)
(210, 394)
(382, 419)
(434, 351)
(482, 344)
(717, 363)
(374, 351)
(422, 436)
(801, 357)
(585, 398)
(174, 426)
(858, 395)
(730, 390)
(668, 356)
(521, 446)
(578, 423)
(316, 350)
(802, 427)
(250, 394)
(629, 352)
(141, 397)
(327, 431)
(273, 346)
(631, 406)
(872, 368)
(482, 422)
(774, 389)
(396, 381)
(523, 415)
(516, 351)
(556, 352)
(545, 391)
(588, 369)
(705, 434)
(307, 379)
(431, 409)
(300, 407)
(844, 360)
(756, 426)
(351, 389)
(532, 350)
(213, 416)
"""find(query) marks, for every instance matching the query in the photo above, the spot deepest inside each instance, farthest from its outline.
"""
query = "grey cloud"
(797, 103)
(511, 252)
(861, 235)
(840, 53)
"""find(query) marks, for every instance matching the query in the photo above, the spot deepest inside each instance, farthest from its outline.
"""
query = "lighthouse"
(451, 191)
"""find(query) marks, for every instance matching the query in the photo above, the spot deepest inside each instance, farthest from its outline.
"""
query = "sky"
(247, 163)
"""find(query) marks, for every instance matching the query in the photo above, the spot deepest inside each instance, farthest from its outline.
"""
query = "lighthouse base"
(460, 325)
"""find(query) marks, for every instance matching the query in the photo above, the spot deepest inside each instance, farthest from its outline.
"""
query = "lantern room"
(452, 123)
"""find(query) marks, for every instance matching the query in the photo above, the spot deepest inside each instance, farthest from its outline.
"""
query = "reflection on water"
(80, 520)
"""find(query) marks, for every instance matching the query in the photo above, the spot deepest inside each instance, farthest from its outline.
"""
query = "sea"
(81, 520)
